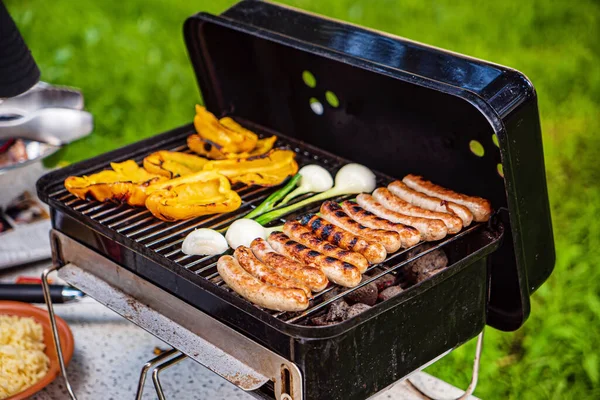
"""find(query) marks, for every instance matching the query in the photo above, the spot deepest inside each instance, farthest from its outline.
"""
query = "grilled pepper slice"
(173, 164)
(213, 151)
(213, 130)
(200, 193)
(267, 170)
(127, 183)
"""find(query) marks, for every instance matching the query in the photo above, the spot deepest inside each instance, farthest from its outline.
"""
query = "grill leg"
(161, 367)
(474, 376)
(55, 335)
(147, 366)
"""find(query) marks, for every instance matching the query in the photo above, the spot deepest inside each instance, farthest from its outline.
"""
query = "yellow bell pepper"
(173, 164)
(201, 193)
(125, 183)
(230, 141)
(210, 150)
(267, 170)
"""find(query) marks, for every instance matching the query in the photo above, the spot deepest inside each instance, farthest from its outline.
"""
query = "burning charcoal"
(390, 292)
(321, 321)
(383, 282)
(366, 294)
(333, 292)
(337, 311)
(421, 268)
(356, 309)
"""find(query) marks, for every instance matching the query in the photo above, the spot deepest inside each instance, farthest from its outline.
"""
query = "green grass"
(130, 61)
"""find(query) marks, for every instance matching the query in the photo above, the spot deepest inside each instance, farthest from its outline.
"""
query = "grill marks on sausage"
(409, 236)
(305, 236)
(333, 213)
(373, 252)
(337, 271)
(313, 278)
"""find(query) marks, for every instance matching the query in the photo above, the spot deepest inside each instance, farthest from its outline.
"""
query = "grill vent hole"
(476, 148)
(309, 79)
(500, 170)
(332, 99)
(495, 140)
(316, 106)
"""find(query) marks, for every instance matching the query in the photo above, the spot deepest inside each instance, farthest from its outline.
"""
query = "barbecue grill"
(333, 93)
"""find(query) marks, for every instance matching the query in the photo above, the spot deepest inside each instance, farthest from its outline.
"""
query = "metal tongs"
(38, 122)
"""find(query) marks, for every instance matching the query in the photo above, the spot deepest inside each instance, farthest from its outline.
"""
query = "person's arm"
(18, 70)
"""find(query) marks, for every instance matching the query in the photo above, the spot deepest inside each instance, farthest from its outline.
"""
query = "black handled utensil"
(32, 293)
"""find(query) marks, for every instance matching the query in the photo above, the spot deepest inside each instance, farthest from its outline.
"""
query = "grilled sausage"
(422, 200)
(333, 213)
(337, 271)
(430, 229)
(394, 203)
(481, 208)
(256, 268)
(260, 293)
(373, 252)
(314, 278)
(409, 236)
(301, 234)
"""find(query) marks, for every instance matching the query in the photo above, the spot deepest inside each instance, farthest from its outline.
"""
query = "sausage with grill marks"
(430, 229)
(256, 268)
(373, 252)
(427, 202)
(301, 234)
(258, 292)
(337, 271)
(314, 278)
(409, 236)
(481, 208)
(333, 213)
(394, 203)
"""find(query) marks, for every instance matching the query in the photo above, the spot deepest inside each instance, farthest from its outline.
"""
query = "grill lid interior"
(397, 106)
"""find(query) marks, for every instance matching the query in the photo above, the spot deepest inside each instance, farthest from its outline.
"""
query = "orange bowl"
(66, 340)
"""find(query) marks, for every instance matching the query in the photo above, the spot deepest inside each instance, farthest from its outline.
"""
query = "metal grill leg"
(161, 367)
(55, 335)
(474, 376)
(147, 366)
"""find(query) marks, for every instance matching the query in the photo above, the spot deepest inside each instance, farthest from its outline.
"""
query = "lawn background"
(129, 59)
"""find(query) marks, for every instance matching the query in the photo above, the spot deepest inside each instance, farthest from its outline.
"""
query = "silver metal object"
(55, 126)
(163, 366)
(221, 349)
(39, 97)
(34, 152)
(158, 359)
(474, 376)
(55, 335)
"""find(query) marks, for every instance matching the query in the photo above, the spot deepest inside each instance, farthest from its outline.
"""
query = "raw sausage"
(394, 203)
(430, 229)
(422, 200)
(481, 208)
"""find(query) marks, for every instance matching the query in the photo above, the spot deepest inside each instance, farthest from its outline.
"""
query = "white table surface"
(110, 351)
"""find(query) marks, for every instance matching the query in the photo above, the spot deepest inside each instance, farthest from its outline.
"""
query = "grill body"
(398, 107)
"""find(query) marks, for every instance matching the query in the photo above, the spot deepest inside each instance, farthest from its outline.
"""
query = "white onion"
(203, 242)
(243, 231)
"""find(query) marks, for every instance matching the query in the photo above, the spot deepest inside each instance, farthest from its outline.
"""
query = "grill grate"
(165, 238)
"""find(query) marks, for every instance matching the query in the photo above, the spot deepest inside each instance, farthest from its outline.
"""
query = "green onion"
(270, 201)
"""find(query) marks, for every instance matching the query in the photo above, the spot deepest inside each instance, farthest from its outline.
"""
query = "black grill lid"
(398, 106)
